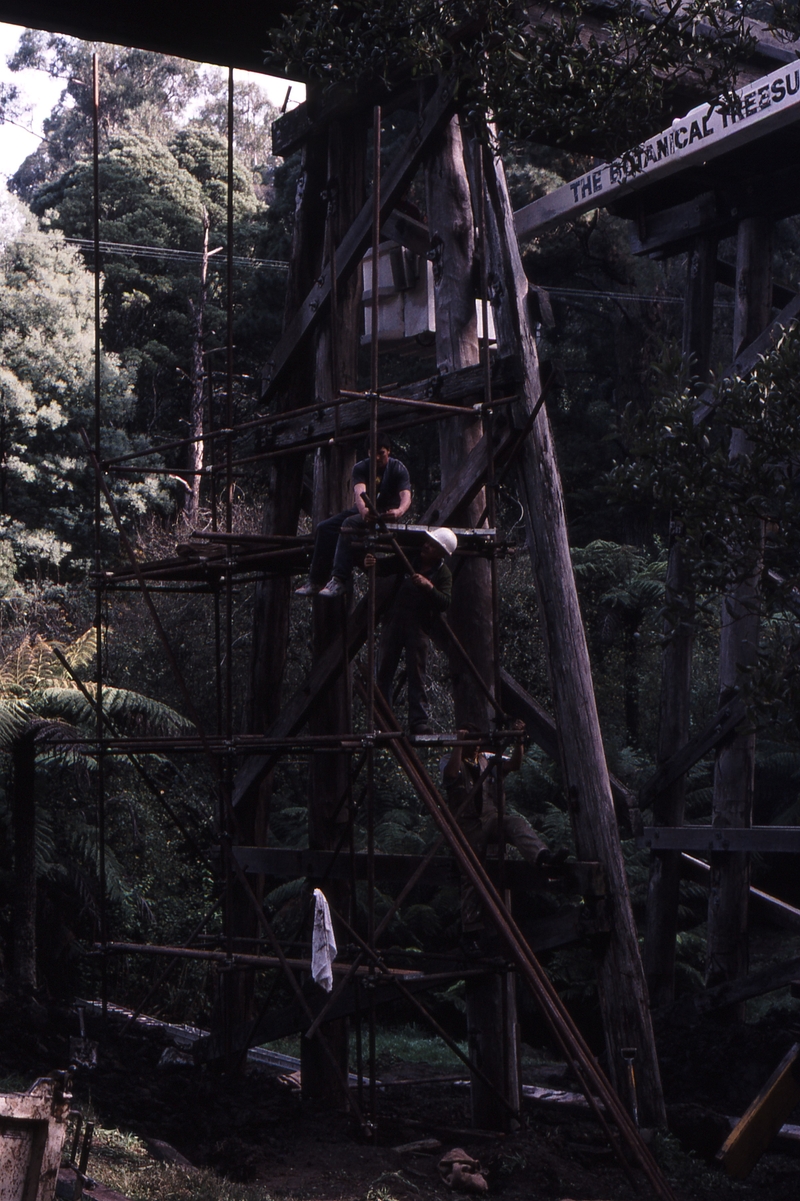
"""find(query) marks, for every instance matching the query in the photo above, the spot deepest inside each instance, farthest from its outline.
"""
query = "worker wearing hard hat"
(408, 626)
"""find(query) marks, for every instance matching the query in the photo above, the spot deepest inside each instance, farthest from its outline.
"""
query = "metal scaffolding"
(210, 565)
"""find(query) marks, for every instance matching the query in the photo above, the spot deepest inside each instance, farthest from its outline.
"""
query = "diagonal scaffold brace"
(601, 1096)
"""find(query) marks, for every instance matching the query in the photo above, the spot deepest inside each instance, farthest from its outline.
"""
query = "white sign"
(766, 104)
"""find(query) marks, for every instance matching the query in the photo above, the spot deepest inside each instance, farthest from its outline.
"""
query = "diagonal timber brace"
(355, 242)
(747, 359)
(599, 1093)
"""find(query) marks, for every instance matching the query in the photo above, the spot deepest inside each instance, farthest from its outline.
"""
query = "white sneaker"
(307, 589)
(333, 588)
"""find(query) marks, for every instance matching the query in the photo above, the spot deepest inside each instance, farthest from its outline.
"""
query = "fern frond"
(129, 711)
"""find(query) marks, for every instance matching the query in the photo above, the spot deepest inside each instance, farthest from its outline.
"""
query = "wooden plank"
(703, 134)
(355, 242)
(756, 840)
(292, 863)
(725, 720)
(780, 912)
(541, 727)
(756, 1129)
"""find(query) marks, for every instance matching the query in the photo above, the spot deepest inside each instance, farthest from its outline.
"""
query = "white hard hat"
(445, 538)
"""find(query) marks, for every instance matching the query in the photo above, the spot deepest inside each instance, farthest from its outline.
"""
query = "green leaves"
(571, 75)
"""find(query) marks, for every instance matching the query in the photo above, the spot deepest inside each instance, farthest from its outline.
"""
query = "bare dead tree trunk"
(336, 368)
(492, 1039)
(620, 977)
(676, 660)
(734, 769)
(23, 813)
(196, 415)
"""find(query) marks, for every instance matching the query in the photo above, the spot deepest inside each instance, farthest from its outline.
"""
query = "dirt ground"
(253, 1128)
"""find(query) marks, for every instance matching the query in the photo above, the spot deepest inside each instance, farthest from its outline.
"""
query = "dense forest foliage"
(628, 451)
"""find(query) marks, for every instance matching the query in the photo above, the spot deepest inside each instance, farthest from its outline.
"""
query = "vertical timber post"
(734, 769)
(452, 233)
(282, 489)
(620, 977)
(336, 367)
(676, 657)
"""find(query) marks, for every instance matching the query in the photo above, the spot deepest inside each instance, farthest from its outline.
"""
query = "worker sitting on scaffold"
(333, 538)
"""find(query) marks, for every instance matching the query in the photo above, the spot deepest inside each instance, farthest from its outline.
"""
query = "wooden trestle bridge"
(487, 403)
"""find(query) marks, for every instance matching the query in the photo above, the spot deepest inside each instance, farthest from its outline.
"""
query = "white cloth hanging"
(323, 943)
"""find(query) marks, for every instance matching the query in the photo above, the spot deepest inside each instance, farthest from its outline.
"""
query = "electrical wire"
(170, 254)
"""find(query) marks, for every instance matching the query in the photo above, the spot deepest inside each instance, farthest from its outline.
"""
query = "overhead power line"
(170, 254)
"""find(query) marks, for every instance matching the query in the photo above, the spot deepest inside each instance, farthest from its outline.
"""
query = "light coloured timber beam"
(770, 103)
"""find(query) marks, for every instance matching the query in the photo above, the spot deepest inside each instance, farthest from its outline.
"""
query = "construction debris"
(756, 1129)
(462, 1173)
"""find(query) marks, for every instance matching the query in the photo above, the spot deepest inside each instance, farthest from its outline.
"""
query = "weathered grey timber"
(457, 387)
(734, 770)
(721, 724)
(356, 240)
(733, 992)
(747, 358)
(540, 726)
(450, 221)
(779, 912)
(723, 840)
(676, 661)
(290, 863)
(623, 994)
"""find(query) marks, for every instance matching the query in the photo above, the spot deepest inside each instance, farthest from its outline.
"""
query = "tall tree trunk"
(336, 355)
(676, 659)
(196, 415)
(734, 769)
(492, 1039)
(621, 983)
(23, 807)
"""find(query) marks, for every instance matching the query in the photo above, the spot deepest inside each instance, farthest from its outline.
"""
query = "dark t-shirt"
(391, 482)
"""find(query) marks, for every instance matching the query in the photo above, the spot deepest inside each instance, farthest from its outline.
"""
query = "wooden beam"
(756, 1129)
(459, 387)
(662, 232)
(290, 864)
(667, 230)
(469, 479)
(779, 912)
(755, 840)
(732, 992)
(355, 242)
(412, 234)
(542, 729)
(721, 724)
(703, 134)
(725, 274)
(747, 358)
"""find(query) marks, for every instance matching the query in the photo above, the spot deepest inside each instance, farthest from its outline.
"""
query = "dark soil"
(252, 1127)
